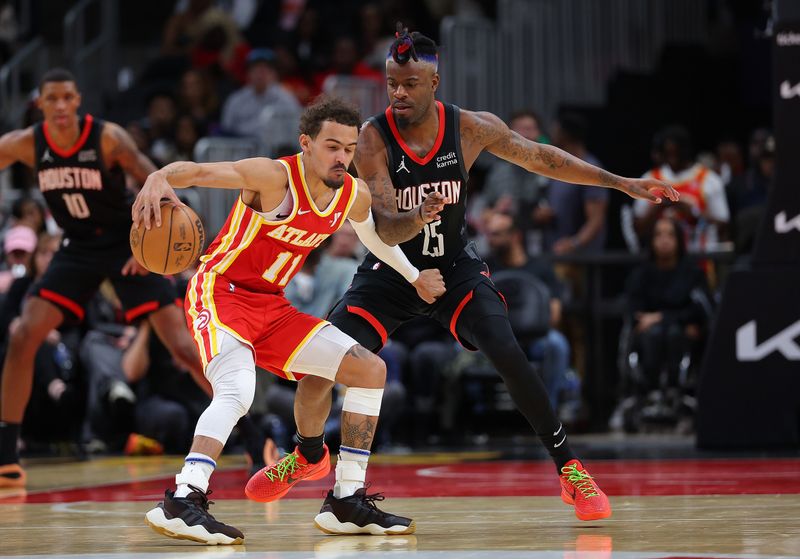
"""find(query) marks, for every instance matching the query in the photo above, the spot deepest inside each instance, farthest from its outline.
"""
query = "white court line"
(643, 474)
(410, 553)
(619, 506)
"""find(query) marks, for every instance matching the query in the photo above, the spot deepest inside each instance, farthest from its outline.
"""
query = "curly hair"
(328, 108)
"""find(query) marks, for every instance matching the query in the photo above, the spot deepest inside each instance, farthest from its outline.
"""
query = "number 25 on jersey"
(433, 245)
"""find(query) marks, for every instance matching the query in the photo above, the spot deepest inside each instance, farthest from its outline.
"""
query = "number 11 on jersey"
(280, 262)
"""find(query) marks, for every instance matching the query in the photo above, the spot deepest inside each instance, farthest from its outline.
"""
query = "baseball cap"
(260, 55)
(20, 237)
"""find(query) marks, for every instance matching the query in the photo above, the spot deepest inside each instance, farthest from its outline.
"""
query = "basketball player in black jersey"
(416, 157)
(81, 164)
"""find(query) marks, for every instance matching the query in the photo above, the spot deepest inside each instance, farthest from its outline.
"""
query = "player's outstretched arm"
(428, 283)
(258, 174)
(489, 132)
(393, 227)
(17, 145)
(120, 149)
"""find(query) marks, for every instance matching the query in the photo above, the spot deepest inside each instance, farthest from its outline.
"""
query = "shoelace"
(202, 500)
(581, 480)
(284, 467)
(371, 499)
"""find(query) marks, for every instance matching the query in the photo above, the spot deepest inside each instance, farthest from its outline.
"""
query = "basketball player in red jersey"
(421, 148)
(240, 318)
(81, 163)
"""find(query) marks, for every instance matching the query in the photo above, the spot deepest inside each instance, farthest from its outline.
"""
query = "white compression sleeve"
(393, 256)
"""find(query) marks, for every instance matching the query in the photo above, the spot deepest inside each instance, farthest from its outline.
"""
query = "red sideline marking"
(488, 479)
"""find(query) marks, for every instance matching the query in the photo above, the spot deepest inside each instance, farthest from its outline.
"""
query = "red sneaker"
(273, 482)
(579, 488)
(12, 476)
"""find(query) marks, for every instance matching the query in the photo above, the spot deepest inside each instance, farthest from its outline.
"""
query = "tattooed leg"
(358, 430)
(364, 372)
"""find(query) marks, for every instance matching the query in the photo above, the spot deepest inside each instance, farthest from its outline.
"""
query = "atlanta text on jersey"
(297, 237)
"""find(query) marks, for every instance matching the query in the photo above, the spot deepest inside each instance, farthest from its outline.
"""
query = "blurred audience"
(551, 348)
(702, 208)
(198, 98)
(240, 114)
(669, 305)
(574, 216)
(19, 244)
(55, 410)
(747, 196)
(512, 189)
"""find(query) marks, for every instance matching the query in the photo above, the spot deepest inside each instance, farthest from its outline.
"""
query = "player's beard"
(335, 184)
(416, 116)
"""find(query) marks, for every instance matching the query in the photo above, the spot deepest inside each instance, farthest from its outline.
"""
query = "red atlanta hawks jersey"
(261, 255)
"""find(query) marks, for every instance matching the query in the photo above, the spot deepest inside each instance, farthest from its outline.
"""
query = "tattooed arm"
(482, 130)
(393, 227)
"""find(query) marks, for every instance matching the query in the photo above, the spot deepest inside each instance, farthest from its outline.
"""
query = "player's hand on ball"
(431, 206)
(147, 206)
(429, 285)
(651, 190)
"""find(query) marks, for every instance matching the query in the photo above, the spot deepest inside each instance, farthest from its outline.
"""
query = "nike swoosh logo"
(301, 212)
(559, 430)
(282, 216)
(562, 441)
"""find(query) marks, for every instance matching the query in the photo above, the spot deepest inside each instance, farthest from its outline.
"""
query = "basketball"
(174, 246)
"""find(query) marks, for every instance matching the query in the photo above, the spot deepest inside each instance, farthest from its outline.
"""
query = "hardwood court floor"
(465, 507)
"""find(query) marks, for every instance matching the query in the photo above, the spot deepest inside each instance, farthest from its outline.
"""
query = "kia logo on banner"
(788, 39)
(783, 226)
(788, 90)
(747, 348)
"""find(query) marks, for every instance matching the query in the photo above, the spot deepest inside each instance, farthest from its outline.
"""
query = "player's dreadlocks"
(416, 46)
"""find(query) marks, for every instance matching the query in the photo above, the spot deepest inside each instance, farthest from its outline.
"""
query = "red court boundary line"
(495, 479)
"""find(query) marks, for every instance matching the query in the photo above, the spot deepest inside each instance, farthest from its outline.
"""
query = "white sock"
(351, 471)
(197, 469)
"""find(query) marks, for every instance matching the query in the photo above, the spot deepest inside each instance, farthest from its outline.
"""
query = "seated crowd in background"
(215, 76)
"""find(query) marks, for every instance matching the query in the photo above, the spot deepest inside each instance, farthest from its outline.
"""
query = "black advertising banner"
(749, 391)
(749, 387)
(778, 241)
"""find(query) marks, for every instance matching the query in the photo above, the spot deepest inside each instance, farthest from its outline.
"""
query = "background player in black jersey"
(415, 157)
(81, 164)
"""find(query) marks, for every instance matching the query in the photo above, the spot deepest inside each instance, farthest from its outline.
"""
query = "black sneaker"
(187, 518)
(358, 514)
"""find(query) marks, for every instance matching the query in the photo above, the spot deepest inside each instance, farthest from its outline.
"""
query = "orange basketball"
(174, 246)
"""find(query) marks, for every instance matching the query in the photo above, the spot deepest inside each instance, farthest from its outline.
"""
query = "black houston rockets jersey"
(86, 199)
(414, 178)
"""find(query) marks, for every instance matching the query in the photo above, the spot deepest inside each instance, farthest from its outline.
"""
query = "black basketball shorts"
(78, 269)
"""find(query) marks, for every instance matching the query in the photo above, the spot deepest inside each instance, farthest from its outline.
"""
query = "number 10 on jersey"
(76, 205)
